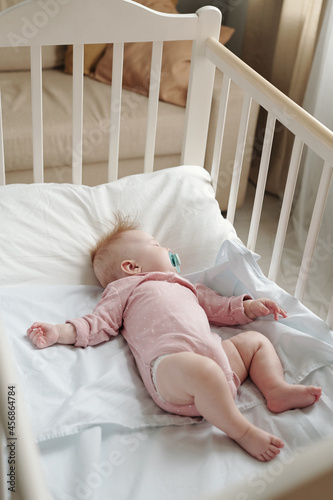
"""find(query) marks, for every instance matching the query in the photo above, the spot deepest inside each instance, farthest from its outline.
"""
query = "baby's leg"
(251, 353)
(188, 378)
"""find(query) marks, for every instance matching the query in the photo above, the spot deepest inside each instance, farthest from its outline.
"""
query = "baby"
(165, 319)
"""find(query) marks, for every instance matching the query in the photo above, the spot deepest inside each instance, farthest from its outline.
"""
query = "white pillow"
(47, 230)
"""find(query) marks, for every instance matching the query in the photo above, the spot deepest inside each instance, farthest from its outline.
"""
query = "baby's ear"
(130, 267)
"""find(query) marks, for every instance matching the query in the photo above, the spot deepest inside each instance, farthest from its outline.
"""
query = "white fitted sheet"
(99, 432)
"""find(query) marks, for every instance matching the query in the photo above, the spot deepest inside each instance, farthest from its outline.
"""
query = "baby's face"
(142, 248)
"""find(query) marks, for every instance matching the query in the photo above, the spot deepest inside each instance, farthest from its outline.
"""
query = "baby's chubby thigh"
(240, 350)
(178, 376)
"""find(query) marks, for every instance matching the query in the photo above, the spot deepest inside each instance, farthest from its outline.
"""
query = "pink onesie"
(163, 313)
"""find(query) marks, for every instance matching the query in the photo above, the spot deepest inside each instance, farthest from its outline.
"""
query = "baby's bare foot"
(260, 444)
(289, 397)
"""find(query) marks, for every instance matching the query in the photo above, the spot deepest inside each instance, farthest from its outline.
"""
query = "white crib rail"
(317, 215)
(154, 91)
(2, 155)
(294, 117)
(77, 136)
(239, 156)
(37, 112)
(307, 131)
(261, 183)
(286, 208)
(115, 112)
(21, 472)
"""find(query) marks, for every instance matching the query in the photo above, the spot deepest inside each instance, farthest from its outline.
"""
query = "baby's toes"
(269, 454)
(316, 391)
(274, 448)
(273, 451)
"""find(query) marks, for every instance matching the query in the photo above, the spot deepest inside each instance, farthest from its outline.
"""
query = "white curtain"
(318, 101)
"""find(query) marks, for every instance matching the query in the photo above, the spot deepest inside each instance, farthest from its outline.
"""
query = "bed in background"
(98, 434)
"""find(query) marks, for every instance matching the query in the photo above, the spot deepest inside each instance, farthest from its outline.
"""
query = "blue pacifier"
(175, 260)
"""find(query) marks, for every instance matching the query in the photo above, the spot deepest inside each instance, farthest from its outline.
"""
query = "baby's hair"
(121, 223)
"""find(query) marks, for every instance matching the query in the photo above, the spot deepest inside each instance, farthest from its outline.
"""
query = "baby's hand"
(43, 334)
(263, 307)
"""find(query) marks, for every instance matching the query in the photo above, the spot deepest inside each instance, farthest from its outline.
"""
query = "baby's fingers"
(34, 327)
(41, 342)
(262, 309)
(276, 310)
(36, 335)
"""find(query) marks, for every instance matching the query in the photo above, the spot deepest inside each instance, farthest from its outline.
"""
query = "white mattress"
(99, 433)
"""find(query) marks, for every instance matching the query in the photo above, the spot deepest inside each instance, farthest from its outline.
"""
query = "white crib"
(187, 199)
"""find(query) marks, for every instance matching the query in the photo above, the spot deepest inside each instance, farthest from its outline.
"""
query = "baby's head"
(127, 251)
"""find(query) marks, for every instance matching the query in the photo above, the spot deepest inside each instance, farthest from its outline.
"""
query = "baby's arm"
(92, 329)
(238, 310)
(262, 307)
(44, 335)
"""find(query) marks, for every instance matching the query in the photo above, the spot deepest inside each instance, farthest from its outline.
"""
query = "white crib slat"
(154, 92)
(2, 156)
(78, 51)
(222, 112)
(261, 183)
(313, 232)
(237, 170)
(285, 209)
(37, 112)
(313, 133)
(116, 92)
(329, 319)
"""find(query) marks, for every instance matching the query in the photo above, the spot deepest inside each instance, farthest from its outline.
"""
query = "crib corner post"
(200, 89)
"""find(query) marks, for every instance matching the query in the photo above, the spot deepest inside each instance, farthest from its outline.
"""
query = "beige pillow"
(92, 54)
(136, 70)
(137, 56)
